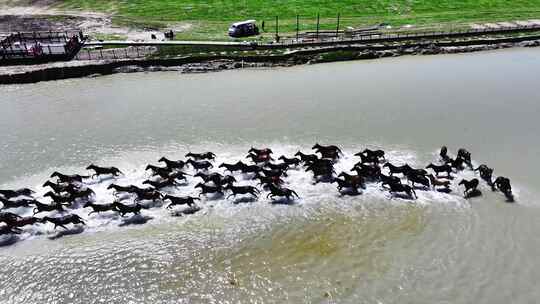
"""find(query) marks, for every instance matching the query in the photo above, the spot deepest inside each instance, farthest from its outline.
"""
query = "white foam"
(313, 197)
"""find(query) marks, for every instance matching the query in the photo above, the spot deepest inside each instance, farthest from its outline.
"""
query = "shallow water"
(324, 248)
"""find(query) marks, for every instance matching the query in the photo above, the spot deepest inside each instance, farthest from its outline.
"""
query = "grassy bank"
(209, 19)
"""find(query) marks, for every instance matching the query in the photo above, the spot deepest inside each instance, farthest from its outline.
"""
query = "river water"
(325, 248)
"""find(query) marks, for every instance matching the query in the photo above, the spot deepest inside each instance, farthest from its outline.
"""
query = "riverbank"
(213, 62)
(196, 20)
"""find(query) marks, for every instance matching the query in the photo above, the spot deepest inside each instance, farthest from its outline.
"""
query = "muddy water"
(324, 248)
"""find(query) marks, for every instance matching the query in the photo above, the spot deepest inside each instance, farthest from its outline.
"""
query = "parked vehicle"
(243, 29)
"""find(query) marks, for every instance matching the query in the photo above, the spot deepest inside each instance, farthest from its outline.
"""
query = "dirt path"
(41, 17)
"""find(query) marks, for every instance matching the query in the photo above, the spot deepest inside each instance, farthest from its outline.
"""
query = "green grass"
(210, 19)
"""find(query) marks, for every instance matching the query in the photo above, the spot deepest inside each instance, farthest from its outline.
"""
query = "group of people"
(68, 192)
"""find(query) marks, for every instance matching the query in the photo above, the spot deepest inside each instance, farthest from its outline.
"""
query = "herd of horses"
(71, 191)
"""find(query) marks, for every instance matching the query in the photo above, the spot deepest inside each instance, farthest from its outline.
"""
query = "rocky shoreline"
(205, 64)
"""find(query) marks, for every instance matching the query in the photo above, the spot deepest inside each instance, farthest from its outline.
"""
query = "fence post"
(277, 28)
(297, 26)
(137, 48)
(101, 53)
(318, 24)
(89, 56)
(114, 54)
(337, 28)
(127, 56)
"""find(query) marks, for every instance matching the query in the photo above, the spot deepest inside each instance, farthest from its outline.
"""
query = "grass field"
(209, 19)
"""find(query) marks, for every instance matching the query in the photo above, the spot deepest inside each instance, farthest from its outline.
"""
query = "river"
(325, 248)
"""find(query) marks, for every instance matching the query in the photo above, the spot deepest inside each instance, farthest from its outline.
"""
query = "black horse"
(465, 156)
(40, 207)
(379, 154)
(205, 189)
(125, 209)
(18, 192)
(80, 193)
(486, 173)
(456, 163)
(151, 195)
(280, 166)
(438, 183)
(63, 178)
(347, 184)
(201, 156)
(97, 208)
(183, 200)
(7, 204)
(62, 187)
(387, 179)
(243, 190)
(232, 167)
(64, 220)
(63, 199)
(267, 151)
(444, 154)
(200, 165)
(216, 178)
(281, 192)
(440, 169)
(173, 164)
(259, 158)
(367, 159)
(290, 161)
(23, 221)
(353, 179)
(321, 172)
(327, 149)
(265, 181)
(177, 175)
(104, 170)
(370, 173)
(118, 188)
(399, 187)
(251, 169)
(397, 169)
(418, 179)
(164, 183)
(503, 184)
(272, 173)
(321, 164)
(307, 158)
(329, 154)
(161, 171)
(470, 186)
(207, 177)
